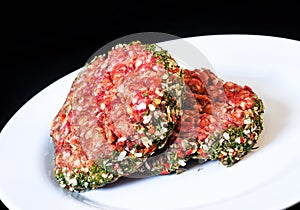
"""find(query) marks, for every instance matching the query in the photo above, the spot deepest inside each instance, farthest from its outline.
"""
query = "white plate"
(267, 178)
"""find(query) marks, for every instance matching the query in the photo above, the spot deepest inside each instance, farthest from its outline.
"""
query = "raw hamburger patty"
(133, 94)
(76, 167)
(135, 87)
(135, 112)
(223, 122)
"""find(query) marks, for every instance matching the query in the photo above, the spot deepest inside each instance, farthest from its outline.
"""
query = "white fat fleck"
(104, 176)
(86, 184)
(215, 81)
(207, 140)
(132, 151)
(73, 181)
(247, 121)
(232, 105)
(73, 146)
(65, 169)
(122, 139)
(224, 153)
(122, 155)
(108, 164)
(134, 100)
(147, 165)
(142, 68)
(95, 58)
(243, 104)
(193, 144)
(104, 65)
(158, 92)
(68, 174)
(138, 154)
(138, 62)
(105, 162)
(130, 53)
(226, 136)
(181, 162)
(141, 106)
(151, 107)
(85, 169)
(155, 68)
(118, 46)
(62, 184)
(164, 130)
(120, 171)
(246, 132)
(178, 92)
(146, 141)
(165, 76)
(102, 106)
(238, 140)
(168, 109)
(147, 119)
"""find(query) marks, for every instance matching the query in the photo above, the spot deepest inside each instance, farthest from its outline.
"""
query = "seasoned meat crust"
(120, 109)
(135, 112)
(220, 121)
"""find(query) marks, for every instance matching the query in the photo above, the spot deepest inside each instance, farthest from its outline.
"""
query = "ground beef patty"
(142, 114)
(120, 109)
(135, 112)
(223, 122)
(134, 98)
(82, 165)
(242, 127)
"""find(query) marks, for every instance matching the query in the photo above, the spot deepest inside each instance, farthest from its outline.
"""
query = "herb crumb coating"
(121, 108)
(220, 121)
(136, 113)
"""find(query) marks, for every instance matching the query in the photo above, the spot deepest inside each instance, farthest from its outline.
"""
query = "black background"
(42, 43)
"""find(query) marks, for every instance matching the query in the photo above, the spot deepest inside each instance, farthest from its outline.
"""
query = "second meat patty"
(220, 121)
